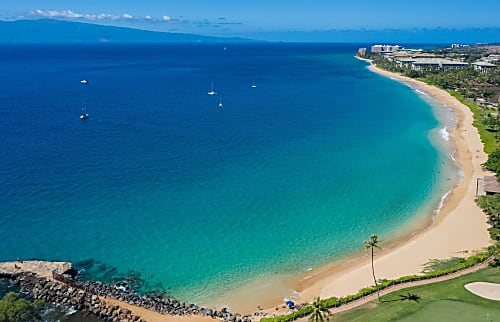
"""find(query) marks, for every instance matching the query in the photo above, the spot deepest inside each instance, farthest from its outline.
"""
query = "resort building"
(385, 48)
(458, 46)
(428, 64)
(483, 66)
(362, 52)
(407, 55)
(405, 62)
(492, 58)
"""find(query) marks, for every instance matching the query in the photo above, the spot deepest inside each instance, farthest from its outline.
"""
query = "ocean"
(164, 188)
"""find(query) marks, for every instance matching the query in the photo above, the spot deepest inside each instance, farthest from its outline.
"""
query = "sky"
(236, 18)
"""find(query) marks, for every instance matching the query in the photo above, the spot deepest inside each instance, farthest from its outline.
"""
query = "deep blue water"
(161, 182)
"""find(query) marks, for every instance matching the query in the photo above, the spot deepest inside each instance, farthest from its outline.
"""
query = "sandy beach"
(459, 229)
(44, 269)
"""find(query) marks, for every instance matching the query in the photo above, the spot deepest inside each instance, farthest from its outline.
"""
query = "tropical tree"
(13, 308)
(319, 311)
(372, 244)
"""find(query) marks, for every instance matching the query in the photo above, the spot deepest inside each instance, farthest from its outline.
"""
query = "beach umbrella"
(290, 304)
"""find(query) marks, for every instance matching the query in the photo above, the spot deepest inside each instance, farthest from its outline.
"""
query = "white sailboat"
(212, 91)
(84, 115)
(220, 103)
(253, 85)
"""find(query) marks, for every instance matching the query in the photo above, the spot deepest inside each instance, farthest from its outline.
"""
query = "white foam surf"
(444, 134)
(440, 205)
(421, 92)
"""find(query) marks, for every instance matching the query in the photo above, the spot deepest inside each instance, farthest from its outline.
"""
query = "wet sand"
(459, 229)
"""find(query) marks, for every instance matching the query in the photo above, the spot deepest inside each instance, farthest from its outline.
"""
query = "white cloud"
(68, 14)
(71, 15)
(105, 16)
(56, 13)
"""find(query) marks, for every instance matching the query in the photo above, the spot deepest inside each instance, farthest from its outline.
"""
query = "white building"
(361, 52)
(483, 66)
(427, 64)
(405, 62)
(385, 48)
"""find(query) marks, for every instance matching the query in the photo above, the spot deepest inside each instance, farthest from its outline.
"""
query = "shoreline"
(457, 229)
(45, 280)
(457, 226)
(460, 226)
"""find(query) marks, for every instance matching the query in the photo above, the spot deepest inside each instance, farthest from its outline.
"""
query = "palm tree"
(318, 312)
(372, 244)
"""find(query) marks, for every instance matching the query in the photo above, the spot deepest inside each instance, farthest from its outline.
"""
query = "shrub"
(335, 302)
(13, 308)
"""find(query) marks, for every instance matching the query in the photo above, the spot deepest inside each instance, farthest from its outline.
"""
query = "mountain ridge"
(58, 31)
(62, 31)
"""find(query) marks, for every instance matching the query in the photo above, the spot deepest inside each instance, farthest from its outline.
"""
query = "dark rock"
(84, 296)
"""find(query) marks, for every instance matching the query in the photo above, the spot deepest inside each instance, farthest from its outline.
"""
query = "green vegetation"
(443, 301)
(15, 309)
(493, 163)
(305, 311)
(436, 265)
(478, 91)
(481, 93)
(489, 139)
(446, 310)
(335, 302)
(319, 311)
(446, 300)
(371, 245)
(491, 206)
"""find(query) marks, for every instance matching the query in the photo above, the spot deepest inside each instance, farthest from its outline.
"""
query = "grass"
(487, 137)
(443, 301)
(446, 310)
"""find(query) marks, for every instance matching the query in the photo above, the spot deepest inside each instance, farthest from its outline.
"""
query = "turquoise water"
(161, 184)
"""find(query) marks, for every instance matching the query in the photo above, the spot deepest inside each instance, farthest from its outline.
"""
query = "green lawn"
(457, 311)
(444, 301)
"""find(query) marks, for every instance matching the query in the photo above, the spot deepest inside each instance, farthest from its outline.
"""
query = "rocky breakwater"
(108, 302)
(162, 305)
(54, 292)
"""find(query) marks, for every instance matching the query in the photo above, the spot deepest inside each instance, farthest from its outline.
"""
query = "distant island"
(57, 31)
(63, 31)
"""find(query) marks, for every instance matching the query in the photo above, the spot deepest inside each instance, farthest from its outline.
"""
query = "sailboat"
(84, 114)
(212, 91)
(220, 103)
(253, 85)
